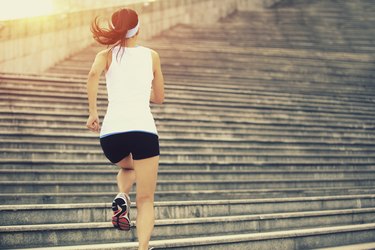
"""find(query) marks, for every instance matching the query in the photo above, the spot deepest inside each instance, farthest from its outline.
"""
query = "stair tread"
(200, 220)
(362, 246)
(227, 238)
(187, 203)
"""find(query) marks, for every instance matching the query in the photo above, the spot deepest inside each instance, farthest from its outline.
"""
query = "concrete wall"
(248, 5)
(32, 45)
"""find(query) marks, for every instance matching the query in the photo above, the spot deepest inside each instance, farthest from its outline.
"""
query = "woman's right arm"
(92, 90)
(157, 93)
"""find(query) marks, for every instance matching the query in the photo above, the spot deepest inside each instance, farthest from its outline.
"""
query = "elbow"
(157, 97)
(92, 74)
(159, 100)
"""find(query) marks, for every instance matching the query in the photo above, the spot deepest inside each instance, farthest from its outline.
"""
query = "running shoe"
(121, 212)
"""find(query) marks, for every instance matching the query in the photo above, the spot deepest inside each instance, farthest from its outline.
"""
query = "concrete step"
(62, 234)
(266, 145)
(203, 79)
(301, 42)
(11, 155)
(86, 141)
(201, 104)
(259, 126)
(78, 84)
(300, 36)
(260, 18)
(257, 161)
(204, 137)
(256, 105)
(277, 85)
(284, 65)
(100, 212)
(204, 194)
(292, 72)
(269, 63)
(263, 84)
(282, 37)
(180, 185)
(282, 53)
(281, 119)
(166, 110)
(199, 147)
(287, 18)
(165, 123)
(320, 79)
(108, 175)
(283, 240)
(183, 166)
(56, 83)
(289, 147)
(362, 45)
(170, 145)
(361, 246)
(270, 60)
(229, 132)
(214, 40)
(259, 89)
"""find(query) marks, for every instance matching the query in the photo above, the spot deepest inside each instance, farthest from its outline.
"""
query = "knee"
(126, 163)
(130, 173)
(144, 198)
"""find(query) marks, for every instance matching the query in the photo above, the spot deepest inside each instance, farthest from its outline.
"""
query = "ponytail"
(121, 22)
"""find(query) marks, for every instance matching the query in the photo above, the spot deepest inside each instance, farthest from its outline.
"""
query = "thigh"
(146, 172)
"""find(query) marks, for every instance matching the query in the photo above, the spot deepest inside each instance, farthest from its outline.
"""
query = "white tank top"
(129, 80)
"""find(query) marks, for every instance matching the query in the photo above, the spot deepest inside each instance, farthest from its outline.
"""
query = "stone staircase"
(267, 139)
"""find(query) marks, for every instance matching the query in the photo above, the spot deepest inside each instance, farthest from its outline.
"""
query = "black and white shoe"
(121, 212)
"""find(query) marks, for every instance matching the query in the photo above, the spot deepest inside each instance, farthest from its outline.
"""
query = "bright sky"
(14, 9)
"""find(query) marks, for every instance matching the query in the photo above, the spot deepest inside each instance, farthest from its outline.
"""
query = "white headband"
(130, 32)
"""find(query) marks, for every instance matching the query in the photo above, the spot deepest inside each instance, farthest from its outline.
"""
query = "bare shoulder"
(155, 55)
(103, 53)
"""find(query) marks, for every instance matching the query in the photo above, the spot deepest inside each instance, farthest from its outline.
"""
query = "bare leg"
(146, 175)
(126, 175)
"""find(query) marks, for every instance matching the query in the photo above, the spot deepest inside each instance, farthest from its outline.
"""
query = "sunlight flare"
(15, 9)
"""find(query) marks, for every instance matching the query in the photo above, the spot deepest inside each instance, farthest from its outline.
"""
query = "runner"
(128, 135)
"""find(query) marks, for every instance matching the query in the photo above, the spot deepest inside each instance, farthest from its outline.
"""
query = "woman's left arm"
(92, 90)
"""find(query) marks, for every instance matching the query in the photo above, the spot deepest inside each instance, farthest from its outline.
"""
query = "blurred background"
(16, 9)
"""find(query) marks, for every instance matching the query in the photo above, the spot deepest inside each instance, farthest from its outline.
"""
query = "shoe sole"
(121, 223)
(118, 220)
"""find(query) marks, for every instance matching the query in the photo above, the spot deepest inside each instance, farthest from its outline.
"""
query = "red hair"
(121, 21)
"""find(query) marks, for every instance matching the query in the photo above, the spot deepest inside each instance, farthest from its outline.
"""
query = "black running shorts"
(142, 145)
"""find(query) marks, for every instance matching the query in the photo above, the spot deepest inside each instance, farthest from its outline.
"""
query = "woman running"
(128, 135)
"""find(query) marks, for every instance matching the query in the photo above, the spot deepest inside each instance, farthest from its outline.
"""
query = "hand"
(93, 123)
